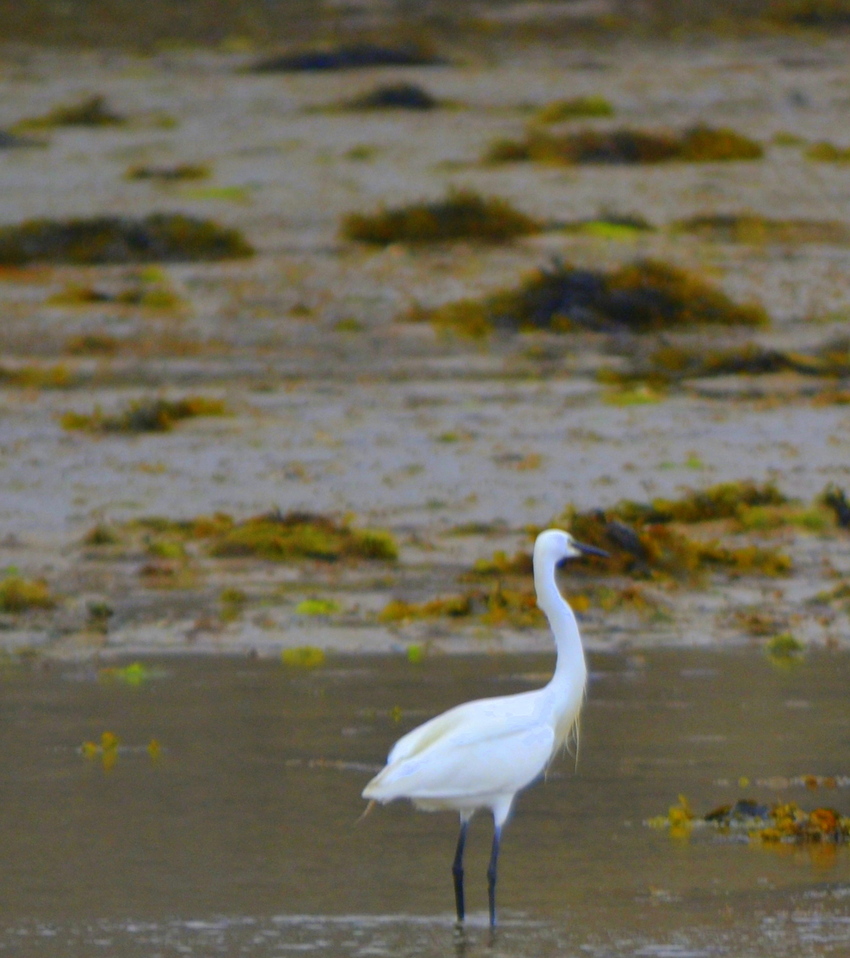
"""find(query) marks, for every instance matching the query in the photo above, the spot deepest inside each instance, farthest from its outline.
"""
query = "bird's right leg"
(457, 868)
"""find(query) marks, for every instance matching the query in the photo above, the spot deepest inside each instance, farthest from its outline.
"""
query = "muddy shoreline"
(337, 407)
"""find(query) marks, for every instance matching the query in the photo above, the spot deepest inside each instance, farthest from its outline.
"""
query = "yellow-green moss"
(146, 415)
(20, 595)
(573, 108)
(641, 297)
(784, 646)
(701, 144)
(292, 536)
(462, 215)
(303, 657)
(160, 237)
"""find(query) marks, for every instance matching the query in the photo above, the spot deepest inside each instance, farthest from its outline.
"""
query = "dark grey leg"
(457, 870)
(491, 875)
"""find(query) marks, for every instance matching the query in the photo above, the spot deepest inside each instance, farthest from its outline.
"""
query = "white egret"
(482, 753)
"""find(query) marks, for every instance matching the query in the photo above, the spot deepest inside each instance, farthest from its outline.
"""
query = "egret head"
(554, 547)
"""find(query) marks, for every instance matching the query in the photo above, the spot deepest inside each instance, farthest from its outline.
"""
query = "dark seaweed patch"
(754, 229)
(394, 96)
(700, 144)
(91, 111)
(354, 56)
(668, 364)
(151, 415)
(160, 237)
(169, 174)
(642, 297)
(463, 214)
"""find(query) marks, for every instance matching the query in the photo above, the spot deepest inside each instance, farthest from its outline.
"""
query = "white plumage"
(482, 753)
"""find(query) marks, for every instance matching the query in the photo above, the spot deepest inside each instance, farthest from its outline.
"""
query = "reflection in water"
(239, 836)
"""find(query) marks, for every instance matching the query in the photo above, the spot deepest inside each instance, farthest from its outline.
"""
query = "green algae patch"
(160, 237)
(394, 96)
(92, 111)
(146, 415)
(18, 594)
(701, 144)
(574, 108)
(784, 647)
(462, 215)
(317, 607)
(641, 297)
(611, 227)
(294, 536)
(756, 230)
(303, 657)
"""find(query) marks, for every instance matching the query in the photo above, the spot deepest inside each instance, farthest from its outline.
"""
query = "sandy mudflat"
(337, 407)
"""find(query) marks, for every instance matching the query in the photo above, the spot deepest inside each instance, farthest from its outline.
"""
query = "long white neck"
(571, 670)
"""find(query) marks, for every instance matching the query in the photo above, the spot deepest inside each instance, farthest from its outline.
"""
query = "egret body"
(482, 753)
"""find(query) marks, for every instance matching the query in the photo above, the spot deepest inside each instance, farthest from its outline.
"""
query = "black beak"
(591, 550)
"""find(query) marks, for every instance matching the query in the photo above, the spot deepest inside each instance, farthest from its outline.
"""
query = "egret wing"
(495, 714)
(471, 763)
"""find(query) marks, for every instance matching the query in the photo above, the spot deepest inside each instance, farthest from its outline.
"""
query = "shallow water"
(241, 838)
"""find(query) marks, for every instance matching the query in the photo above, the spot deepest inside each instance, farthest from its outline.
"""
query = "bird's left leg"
(457, 868)
(492, 872)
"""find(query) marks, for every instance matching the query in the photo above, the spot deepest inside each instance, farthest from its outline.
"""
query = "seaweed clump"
(701, 144)
(91, 111)
(147, 415)
(284, 537)
(20, 595)
(782, 822)
(647, 539)
(642, 297)
(351, 56)
(828, 152)
(670, 364)
(394, 96)
(463, 214)
(818, 14)
(754, 229)
(497, 606)
(169, 174)
(276, 536)
(160, 237)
